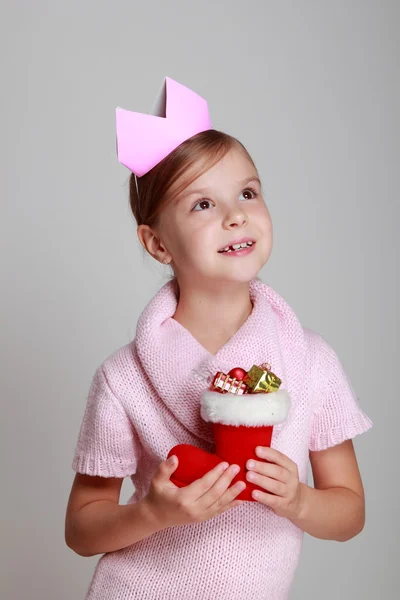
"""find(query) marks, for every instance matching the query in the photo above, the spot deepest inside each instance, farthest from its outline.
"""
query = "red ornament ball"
(238, 373)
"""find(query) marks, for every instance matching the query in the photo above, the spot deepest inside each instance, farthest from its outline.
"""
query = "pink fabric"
(144, 399)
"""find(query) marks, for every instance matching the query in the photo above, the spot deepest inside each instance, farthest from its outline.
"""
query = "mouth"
(237, 247)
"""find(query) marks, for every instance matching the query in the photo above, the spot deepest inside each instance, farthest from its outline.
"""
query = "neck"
(214, 313)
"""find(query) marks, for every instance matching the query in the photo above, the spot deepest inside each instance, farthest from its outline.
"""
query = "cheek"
(201, 237)
(269, 229)
(189, 247)
(179, 238)
(265, 229)
(262, 219)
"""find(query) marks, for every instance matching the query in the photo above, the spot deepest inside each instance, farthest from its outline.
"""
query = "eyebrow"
(202, 190)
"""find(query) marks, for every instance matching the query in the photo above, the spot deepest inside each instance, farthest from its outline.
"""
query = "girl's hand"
(203, 499)
(281, 478)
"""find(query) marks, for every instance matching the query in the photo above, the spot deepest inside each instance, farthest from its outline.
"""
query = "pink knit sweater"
(144, 399)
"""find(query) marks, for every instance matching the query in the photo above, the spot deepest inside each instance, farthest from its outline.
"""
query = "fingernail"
(251, 464)
(224, 466)
(235, 469)
(171, 459)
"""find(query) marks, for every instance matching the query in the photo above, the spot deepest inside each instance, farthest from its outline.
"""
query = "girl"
(197, 199)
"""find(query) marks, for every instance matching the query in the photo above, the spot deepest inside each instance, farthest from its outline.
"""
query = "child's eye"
(200, 203)
(252, 191)
(253, 194)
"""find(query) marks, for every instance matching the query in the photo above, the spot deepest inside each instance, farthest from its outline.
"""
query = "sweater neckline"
(256, 301)
(178, 368)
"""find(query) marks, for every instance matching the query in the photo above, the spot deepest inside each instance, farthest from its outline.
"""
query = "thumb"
(165, 469)
(169, 465)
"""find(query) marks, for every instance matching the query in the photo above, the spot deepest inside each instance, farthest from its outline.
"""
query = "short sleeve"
(337, 416)
(107, 442)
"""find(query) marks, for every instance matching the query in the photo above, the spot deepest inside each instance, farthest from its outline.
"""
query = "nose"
(235, 218)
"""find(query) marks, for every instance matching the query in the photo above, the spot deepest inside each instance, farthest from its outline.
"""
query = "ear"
(151, 242)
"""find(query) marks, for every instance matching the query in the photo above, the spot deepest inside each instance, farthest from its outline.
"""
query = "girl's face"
(221, 207)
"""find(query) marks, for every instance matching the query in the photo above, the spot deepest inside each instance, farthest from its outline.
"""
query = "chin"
(240, 276)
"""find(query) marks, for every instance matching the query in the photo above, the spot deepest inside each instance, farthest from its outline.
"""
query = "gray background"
(312, 89)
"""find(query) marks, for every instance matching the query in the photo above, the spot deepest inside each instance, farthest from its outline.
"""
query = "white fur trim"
(248, 409)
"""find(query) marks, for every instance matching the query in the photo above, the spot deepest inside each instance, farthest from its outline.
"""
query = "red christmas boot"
(240, 423)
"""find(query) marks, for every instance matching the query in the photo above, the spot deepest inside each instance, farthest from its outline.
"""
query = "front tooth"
(243, 244)
(236, 246)
(226, 249)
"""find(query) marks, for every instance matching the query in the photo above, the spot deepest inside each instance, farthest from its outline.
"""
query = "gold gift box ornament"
(260, 379)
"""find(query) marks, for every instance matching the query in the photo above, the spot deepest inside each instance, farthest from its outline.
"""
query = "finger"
(273, 455)
(271, 485)
(269, 470)
(229, 506)
(198, 487)
(219, 487)
(226, 498)
(266, 499)
(166, 468)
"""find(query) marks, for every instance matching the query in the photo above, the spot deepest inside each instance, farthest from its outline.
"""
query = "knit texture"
(145, 398)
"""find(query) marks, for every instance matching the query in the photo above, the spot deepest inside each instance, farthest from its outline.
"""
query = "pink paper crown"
(144, 140)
